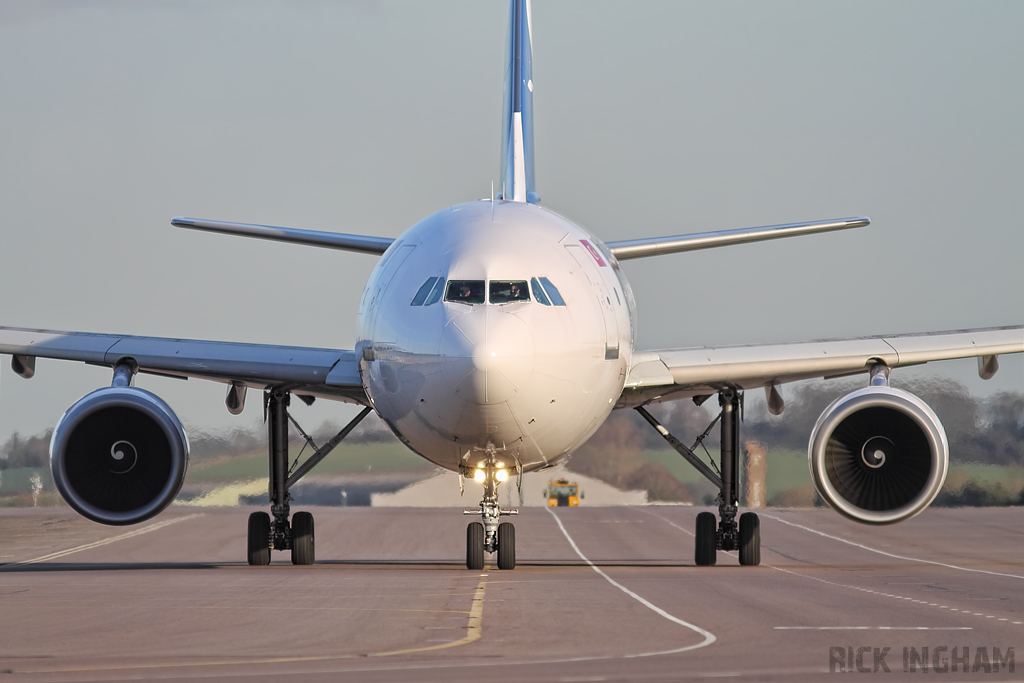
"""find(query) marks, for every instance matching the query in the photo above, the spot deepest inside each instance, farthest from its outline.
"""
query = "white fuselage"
(526, 381)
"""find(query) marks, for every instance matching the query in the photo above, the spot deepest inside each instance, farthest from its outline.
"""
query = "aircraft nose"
(491, 354)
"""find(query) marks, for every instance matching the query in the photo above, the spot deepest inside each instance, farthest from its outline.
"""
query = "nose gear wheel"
(475, 546)
(491, 535)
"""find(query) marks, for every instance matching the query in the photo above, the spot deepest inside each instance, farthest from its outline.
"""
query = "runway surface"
(390, 599)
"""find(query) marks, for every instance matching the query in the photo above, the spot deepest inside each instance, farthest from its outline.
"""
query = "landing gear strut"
(728, 497)
(266, 534)
(492, 535)
(726, 534)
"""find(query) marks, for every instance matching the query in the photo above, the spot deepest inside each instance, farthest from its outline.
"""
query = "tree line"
(988, 431)
(34, 451)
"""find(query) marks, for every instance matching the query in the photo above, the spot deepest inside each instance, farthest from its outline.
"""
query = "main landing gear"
(492, 535)
(723, 534)
(266, 534)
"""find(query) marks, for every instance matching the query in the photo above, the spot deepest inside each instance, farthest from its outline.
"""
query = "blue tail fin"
(517, 116)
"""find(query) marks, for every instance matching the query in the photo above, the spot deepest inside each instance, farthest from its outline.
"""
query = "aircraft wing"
(364, 244)
(319, 372)
(671, 374)
(673, 244)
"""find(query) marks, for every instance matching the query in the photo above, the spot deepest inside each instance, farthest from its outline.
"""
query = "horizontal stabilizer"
(332, 240)
(656, 246)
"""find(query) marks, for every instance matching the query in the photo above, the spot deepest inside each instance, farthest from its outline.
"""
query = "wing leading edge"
(672, 374)
(319, 372)
(364, 244)
(657, 246)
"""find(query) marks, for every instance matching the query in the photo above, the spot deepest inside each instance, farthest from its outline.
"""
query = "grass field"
(788, 479)
(366, 457)
(786, 470)
(18, 480)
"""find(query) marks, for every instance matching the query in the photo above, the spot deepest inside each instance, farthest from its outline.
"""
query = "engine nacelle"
(119, 455)
(878, 455)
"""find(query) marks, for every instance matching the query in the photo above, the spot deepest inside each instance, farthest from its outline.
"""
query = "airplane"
(494, 338)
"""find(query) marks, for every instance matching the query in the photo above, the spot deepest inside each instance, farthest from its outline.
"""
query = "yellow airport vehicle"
(563, 493)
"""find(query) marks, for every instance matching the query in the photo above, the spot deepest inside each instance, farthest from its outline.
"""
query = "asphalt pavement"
(600, 594)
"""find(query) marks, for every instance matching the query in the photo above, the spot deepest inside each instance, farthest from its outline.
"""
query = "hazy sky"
(652, 118)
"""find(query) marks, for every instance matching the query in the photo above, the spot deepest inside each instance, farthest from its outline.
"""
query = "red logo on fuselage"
(594, 252)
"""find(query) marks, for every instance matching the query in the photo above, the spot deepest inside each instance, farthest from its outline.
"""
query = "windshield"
(538, 292)
(421, 295)
(465, 291)
(435, 293)
(507, 291)
(556, 491)
(552, 291)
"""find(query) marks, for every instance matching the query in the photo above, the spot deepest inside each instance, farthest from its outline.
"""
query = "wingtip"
(182, 222)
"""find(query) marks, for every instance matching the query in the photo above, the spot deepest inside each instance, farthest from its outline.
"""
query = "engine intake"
(119, 455)
(878, 455)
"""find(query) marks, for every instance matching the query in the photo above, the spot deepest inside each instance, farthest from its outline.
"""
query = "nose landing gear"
(492, 535)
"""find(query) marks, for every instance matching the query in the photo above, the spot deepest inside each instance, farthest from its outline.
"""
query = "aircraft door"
(590, 261)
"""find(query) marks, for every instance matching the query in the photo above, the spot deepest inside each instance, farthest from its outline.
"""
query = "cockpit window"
(421, 295)
(465, 291)
(508, 291)
(538, 292)
(552, 292)
(435, 293)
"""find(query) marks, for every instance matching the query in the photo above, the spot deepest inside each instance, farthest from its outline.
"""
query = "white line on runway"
(105, 541)
(882, 552)
(841, 585)
(708, 636)
(923, 603)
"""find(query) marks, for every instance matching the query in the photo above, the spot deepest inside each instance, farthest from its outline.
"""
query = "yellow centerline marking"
(474, 629)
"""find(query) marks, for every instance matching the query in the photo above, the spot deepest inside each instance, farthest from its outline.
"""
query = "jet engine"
(878, 455)
(119, 455)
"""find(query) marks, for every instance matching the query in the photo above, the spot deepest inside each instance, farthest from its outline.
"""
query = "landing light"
(480, 475)
(501, 475)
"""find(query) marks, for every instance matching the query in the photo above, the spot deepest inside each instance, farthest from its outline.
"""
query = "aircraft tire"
(303, 545)
(506, 546)
(475, 546)
(705, 548)
(750, 539)
(259, 538)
